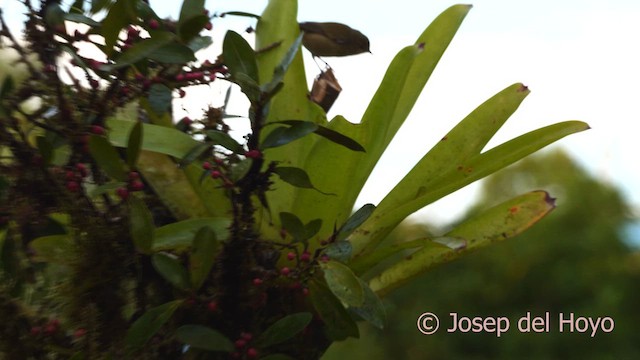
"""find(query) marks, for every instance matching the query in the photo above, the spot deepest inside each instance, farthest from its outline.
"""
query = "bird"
(329, 39)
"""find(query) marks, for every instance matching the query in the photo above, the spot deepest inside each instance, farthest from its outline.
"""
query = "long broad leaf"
(399, 90)
(500, 222)
(475, 168)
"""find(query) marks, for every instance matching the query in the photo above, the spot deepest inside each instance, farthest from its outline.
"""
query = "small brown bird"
(333, 39)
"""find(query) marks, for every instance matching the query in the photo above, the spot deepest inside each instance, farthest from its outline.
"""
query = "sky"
(579, 58)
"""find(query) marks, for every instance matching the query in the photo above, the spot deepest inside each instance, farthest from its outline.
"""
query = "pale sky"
(580, 59)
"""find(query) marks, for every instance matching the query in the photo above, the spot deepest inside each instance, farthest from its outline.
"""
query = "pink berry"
(70, 175)
(285, 271)
(253, 154)
(187, 120)
(97, 129)
(240, 343)
(154, 24)
(252, 353)
(122, 193)
(305, 257)
(247, 336)
(82, 169)
(134, 175)
(212, 306)
(305, 291)
(215, 174)
(79, 333)
(182, 93)
(257, 281)
(137, 185)
(291, 256)
(206, 165)
(180, 77)
(73, 186)
(208, 26)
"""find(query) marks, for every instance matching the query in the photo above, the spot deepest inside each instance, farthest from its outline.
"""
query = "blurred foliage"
(574, 260)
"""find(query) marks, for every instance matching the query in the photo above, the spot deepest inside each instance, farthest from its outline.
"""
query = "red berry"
(212, 306)
(98, 130)
(123, 193)
(80, 332)
(215, 174)
(285, 271)
(94, 83)
(134, 175)
(247, 336)
(208, 25)
(240, 343)
(70, 175)
(253, 154)
(182, 93)
(291, 256)
(73, 186)
(187, 120)
(154, 24)
(206, 165)
(257, 281)
(252, 353)
(305, 257)
(180, 77)
(136, 185)
(50, 329)
(36, 330)
(132, 32)
(50, 68)
(82, 169)
(305, 291)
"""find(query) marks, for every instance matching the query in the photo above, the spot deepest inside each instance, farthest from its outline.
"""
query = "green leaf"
(200, 42)
(284, 329)
(339, 251)
(498, 223)
(77, 7)
(239, 57)
(240, 13)
(107, 157)
(293, 225)
(296, 177)
(399, 90)
(99, 5)
(55, 249)
(116, 19)
(54, 15)
(240, 170)
(180, 235)
(357, 219)
(281, 69)
(194, 154)
(225, 140)
(134, 145)
(312, 228)
(149, 323)
(328, 134)
(248, 86)
(81, 19)
(46, 149)
(191, 27)
(338, 322)
(156, 138)
(344, 284)
(203, 255)
(372, 310)
(160, 98)
(283, 135)
(141, 225)
(171, 270)
(190, 9)
(202, 337)
(172, 53)
(367, 261)
(144, 49)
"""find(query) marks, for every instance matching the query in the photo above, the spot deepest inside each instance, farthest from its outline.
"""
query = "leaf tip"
(523, 88)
